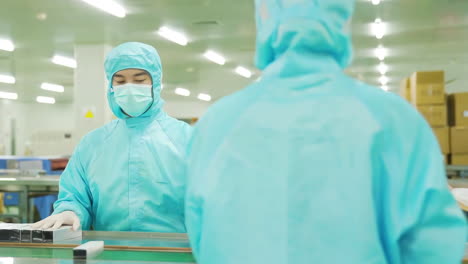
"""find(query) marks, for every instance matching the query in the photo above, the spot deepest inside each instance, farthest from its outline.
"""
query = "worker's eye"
(119, 82)
(140, 81)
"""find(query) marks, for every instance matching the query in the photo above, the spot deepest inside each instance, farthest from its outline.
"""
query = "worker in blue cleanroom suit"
(128, 174)
(308, 165)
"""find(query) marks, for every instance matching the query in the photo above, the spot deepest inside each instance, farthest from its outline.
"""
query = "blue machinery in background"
(41, 165)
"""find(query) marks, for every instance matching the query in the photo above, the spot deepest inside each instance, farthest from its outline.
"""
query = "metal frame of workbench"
(26, 184)
(457, 171)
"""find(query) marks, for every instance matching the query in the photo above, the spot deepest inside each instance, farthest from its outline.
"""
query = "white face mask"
(134, 99)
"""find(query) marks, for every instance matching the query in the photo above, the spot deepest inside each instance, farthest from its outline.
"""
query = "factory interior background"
(53, 85)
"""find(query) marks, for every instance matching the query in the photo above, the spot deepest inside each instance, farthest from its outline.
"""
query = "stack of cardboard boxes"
(405, 89)
(426, 91)
(458, 108)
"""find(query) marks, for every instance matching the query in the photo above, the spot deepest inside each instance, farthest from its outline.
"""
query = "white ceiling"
(422, 35)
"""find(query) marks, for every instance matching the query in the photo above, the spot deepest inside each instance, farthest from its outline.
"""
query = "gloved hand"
(58, 220)
(461, 195)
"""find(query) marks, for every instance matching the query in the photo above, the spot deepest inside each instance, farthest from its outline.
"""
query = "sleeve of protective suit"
(180, 134)
(74, 193)
(185, 140)
(193, 205)
(432, 227)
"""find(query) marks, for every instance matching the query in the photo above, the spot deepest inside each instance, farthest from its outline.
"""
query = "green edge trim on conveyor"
(106, 255)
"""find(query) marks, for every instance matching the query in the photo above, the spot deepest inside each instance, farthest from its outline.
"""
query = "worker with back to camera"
(128, 174)
(308, 165)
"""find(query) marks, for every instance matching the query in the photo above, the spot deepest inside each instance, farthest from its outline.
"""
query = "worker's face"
(134, 76)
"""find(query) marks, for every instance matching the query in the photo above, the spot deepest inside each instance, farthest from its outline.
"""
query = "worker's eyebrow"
(118, 76)
(140, 74)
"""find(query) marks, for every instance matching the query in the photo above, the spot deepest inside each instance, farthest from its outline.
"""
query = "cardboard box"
(405, 89)
(427, 77)
(442, 134)
(458, 105)
(459, 140)
(460, 159)
(2, 206)
(435, 115)
(428, 94)
(427, 88)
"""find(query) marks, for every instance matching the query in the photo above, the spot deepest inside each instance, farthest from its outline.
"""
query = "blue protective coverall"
(308, 165)
(129, 174)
